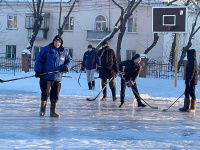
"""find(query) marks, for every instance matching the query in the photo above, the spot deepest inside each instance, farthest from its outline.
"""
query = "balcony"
(93, 35)
(42, 34)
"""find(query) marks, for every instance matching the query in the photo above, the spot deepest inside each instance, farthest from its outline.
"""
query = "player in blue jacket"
(52, 61)
(90, 62)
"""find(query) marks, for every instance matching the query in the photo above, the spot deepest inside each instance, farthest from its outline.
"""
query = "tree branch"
(171, 2)
(156, 37)
(60, 30)
(34, 9)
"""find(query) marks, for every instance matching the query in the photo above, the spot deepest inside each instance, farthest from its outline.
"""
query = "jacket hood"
(191, 53)
(57, 37)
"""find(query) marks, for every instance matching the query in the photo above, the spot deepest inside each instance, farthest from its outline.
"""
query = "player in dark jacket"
(108, 69)
(90, 62)
(130, 70)
(52, 58)
(190, 82)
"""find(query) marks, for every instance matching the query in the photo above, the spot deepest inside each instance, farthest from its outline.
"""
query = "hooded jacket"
(109, 66)
(51, 59)
(131, 69)
(191, 68)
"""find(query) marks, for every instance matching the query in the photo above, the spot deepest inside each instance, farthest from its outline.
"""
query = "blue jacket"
(90, 60)
(52, 60)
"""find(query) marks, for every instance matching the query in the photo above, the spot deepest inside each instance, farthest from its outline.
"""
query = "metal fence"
(6, 65)
(154, 70)
(163, 71)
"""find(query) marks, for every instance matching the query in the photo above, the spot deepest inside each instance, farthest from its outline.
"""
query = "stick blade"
(90, 99)
(164, 110)
(154, 107)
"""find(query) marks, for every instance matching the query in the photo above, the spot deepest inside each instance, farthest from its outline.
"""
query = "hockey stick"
(137, 93)
(153, 107)
(173, 102)
(92, 99)
(75, 66)
(2, 81)
(79, 78)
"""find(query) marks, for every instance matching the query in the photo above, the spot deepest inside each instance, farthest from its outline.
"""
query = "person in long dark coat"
(130, 69)
(108, 69)
(190, 82)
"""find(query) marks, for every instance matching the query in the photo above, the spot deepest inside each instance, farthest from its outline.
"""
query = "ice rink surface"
(94, 125)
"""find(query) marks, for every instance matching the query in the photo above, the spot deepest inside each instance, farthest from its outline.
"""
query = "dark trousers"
(190, 91)
(50, 88)
(112, 85)
(123, 89)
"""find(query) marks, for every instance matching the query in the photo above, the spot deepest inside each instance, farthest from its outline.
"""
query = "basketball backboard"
(169, 19)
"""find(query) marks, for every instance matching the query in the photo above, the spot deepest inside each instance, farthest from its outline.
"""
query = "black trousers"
(50, 88)
(190, 91)
(112, 85)
(123, 89)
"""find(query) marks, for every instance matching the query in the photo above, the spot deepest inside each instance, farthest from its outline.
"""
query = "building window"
(12, 22)
(10, 51)
(69, 25)
(101, 23)
(130, 54)
(29, 21)
(70, 51)
(132, 25)
(36, 52)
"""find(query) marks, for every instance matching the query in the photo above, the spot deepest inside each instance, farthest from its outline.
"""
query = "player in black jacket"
(190, 82)
(130, 73)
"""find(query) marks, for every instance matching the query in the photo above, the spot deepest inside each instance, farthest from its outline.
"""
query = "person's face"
(57, 43)
(89, 49)
(138, 60)
(104, 45)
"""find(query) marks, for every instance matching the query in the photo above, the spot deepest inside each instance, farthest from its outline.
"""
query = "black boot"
(141, 105)
(104, 99)
(43, 108)
(93, 85)
(186, 105)
(193, 106)
(53, 110)
(90, 85)
(122, 105)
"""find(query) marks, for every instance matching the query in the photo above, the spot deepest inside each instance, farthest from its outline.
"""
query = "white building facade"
(88, 23)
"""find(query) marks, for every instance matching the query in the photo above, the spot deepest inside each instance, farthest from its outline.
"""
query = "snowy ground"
(95, 125)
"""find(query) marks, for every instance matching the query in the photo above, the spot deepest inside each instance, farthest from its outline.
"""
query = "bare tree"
(156, 37)
(189, 43)
(125, 15)
(123, 21)
(37, 15)
(115, 30)
(61, 28)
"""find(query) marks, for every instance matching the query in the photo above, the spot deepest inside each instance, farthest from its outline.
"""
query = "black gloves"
(37, 74)
(65, 69)
(82, 68)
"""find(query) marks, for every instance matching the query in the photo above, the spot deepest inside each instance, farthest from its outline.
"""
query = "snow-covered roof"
(31, 0)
